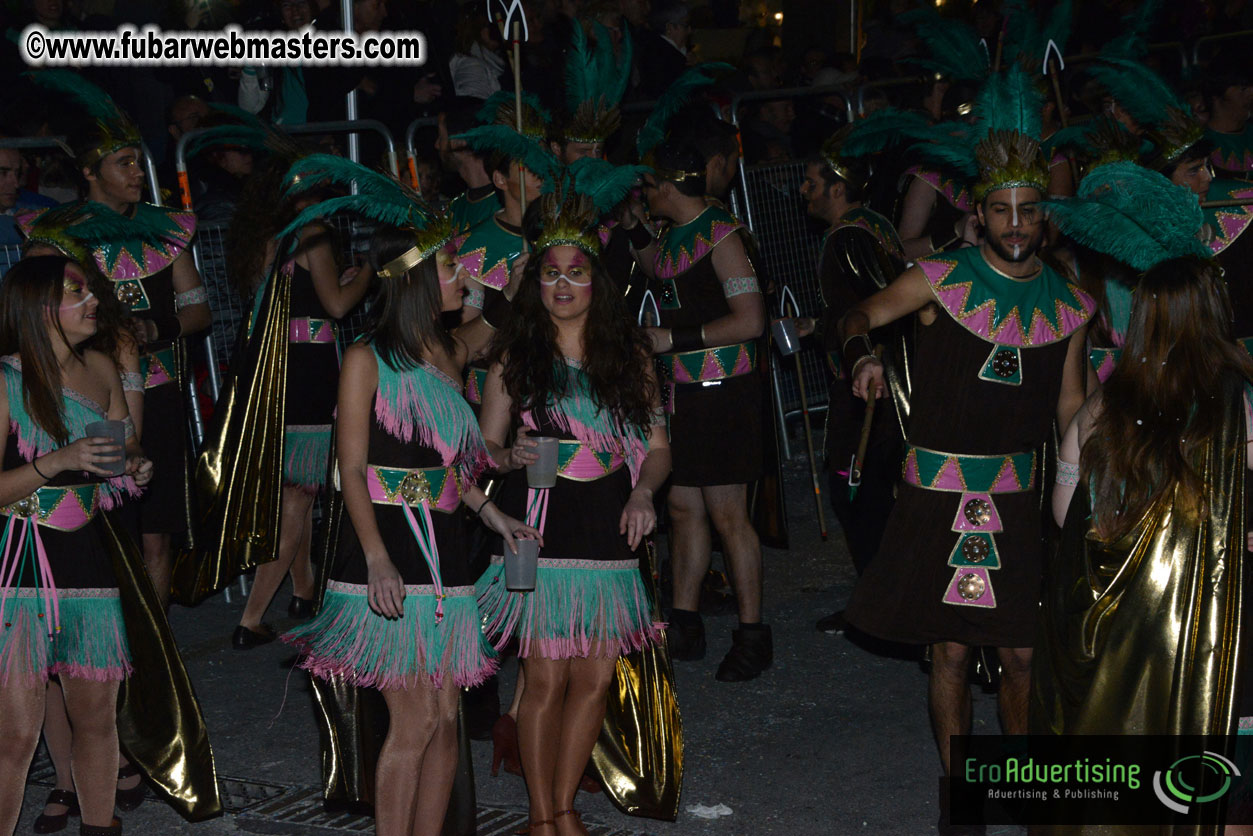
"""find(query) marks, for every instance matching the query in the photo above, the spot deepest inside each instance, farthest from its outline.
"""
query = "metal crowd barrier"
(411, 150)
(1209, 40)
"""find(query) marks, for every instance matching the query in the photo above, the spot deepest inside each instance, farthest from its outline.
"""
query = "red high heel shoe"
(505, 746)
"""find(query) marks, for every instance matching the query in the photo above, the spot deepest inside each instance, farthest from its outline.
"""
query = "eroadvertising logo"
(1091, 779)
(1172, 785)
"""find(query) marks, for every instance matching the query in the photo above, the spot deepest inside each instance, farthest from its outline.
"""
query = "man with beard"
(861, 253)
(960, 563)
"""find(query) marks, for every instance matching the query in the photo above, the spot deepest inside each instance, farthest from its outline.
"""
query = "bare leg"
(302, 563)
(92, 707)
(297, 506)
(439, 764)
(950, 694)
(1015, 688)
(728, 509)
(690, 556)
(157, 559)
(582, 717)
(21, 714)
(540, 731)
(57, 737)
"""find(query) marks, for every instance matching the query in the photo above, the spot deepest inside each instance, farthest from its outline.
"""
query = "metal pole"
(350, 109)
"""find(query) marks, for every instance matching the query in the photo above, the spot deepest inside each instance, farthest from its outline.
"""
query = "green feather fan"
(379, 197)
(1137, 89)
(506, 100)
(242, 136)
(596, 75)
(1027, 37)
(1133, 214)
(881, 130)
(503, 140)
(605, 183)
(956, 50)
(97, 103)
(674, 99)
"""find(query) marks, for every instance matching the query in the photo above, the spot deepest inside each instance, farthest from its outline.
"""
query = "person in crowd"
(712, 314)
(476, 66)
(282, 88)
(162, 290)
(965, 529)
(53, 390)
(1228, 94)
(662, 49)
(572, 366)
(478, 202)
(399, 614)
(861, 254)
(14, 197)
(769, 135)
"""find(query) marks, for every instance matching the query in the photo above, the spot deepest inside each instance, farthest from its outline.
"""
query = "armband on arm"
(195, 296)
(738, 285)
(132, 382)
(474, 297)
(686, 338)
(1067, 473)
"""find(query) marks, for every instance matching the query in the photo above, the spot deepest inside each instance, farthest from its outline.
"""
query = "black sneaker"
(833, 624)
(687, 641)
(752, 651)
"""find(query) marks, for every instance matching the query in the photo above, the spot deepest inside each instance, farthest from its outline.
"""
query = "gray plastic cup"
(115, 431)
(543, 473)
(786, 336)
(520, 568)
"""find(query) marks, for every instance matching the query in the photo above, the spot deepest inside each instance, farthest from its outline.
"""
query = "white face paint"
(553, 281)
(1013, 220)
(80, 302)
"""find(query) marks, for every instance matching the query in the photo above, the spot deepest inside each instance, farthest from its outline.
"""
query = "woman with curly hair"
(569, 364)
(60, 601)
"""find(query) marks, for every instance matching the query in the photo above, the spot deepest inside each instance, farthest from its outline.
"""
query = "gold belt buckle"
(27, 506)
(414, 488)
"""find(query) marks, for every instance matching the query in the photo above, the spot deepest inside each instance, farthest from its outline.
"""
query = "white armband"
(1067, 473)
(737, 285)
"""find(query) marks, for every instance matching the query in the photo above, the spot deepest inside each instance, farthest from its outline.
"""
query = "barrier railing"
(411, 150)
(1201, 44)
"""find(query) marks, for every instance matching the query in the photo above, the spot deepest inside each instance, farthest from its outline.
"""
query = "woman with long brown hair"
(571, 365)
(1142, 614)
(61, 609)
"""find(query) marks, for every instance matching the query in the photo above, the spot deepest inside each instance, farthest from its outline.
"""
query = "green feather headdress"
(956, 50)
(532, 153)
(1137, 89)
(677, 96)
(882, 130)
(596, 81)
(1134, 28)
(1001, 149)
(1027, 37)
(236, 126)
(501, 108)
(379, 198)
(1133, 214)
(78, 229)
(573, 202)
(116, 130)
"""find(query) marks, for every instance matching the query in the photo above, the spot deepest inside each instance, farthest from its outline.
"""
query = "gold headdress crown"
(831, 156)
(1007, 160)
(1178, 132)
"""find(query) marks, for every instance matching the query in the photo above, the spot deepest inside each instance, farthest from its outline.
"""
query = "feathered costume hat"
(677, 96)
(596, 81)
(114, 130)
(1133, 214)
(499, 135)
(501, 108)
(380, 198)
(1001, 149)
(78, 229)
(571, 206)
(1168, 120)
(955, 50)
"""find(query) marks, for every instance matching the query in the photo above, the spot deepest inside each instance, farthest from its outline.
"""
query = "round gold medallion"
(976, 549)
(971, 587)
(415, 489)
(129, 293)
(978, 512)
(1005, 363)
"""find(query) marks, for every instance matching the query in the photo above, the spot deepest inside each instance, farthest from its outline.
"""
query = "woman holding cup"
(60, 612)
(573, 377)
(399, 613)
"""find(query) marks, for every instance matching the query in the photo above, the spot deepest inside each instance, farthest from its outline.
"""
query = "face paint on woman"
(552, 272)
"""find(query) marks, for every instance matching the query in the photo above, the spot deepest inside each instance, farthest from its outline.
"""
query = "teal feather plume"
(1010, 102)
(955, 48)
(1027, 37)
(244, 136)
(605, 183)
(881, 130)
(97, 103)
(367, 206)
(507, 99)
(504, 140)
(1137, 89)
(1133, 43)
(379, 197)
(1133, 214)
(674, 99)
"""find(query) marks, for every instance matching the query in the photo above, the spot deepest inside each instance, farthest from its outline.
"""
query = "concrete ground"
(833, 739)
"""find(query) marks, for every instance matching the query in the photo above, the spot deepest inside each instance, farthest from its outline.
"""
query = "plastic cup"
(520, 568)
(786, 336)
(543, 473)
(115, 431)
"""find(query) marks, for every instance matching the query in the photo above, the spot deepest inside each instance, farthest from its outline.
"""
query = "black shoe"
(300, 607)
(833, 624)
(245, 639)
(128, 800)
(751, 652)
(687, 641)
(54, 824)
(114, 829)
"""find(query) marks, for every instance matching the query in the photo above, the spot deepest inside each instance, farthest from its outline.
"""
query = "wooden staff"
(859, 458)
(1226, 204)
(517, 99)
(809, 436)
(1054, 74)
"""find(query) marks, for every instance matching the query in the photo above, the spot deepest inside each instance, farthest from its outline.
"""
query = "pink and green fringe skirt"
(349, 640)
(306, 453)
(578, 608)
(90, 644)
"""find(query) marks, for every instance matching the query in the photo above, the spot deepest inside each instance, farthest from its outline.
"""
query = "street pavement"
(834, 739)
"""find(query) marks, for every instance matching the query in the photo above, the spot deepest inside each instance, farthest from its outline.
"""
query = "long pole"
(859, 458)
(1223, 204)
(809, 439)
(517, 99)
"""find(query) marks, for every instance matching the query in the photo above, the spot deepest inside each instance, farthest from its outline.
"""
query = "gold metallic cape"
(160, 727)
(639, 756)
(238, 476)
(1142, 635)
(352, 722)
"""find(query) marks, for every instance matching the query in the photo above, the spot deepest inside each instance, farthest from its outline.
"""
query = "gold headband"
(402, 264)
